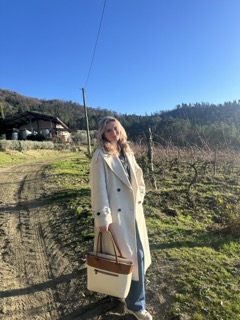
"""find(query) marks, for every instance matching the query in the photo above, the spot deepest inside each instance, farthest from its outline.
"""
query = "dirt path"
(25, 269)
(37, 278)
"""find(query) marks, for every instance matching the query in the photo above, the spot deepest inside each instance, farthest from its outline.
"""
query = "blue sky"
(151, 55)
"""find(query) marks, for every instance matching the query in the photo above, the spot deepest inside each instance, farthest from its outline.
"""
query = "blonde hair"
(103, 142)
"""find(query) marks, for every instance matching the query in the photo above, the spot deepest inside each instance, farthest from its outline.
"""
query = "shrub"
(20, 145)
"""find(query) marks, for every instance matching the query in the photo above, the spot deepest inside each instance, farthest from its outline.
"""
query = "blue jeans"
(136, 297)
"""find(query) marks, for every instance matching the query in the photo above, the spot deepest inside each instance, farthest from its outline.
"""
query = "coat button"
(118, 190)
(139, 201)
(98, 213)
(119, 210)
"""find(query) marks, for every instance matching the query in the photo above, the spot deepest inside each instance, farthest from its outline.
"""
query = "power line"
(95, 47)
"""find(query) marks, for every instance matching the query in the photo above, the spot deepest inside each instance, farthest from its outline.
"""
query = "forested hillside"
(201, 124)
(71, 113)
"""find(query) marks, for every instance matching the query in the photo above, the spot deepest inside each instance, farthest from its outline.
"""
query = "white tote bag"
(109, 274)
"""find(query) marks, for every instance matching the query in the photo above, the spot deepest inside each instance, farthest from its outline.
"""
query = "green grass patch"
(195, 239)
(12, 157)
(70, 177)
(192, 251)
(207, 283)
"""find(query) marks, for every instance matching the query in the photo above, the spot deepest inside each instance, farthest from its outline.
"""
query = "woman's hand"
(105, 228)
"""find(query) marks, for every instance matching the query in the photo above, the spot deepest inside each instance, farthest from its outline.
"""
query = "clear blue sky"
(151, 55)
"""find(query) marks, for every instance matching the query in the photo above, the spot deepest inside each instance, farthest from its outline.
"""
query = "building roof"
(20, 119)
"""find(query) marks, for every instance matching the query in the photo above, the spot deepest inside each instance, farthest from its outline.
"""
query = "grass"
(12, 157)
(207, 283)
(185, 231)
(192, 237)
(71, 176)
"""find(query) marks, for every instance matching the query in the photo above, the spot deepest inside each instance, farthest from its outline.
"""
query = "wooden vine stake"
(150, 157)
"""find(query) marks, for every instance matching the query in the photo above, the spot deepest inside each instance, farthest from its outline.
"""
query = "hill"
(71, 113)
(200, 124)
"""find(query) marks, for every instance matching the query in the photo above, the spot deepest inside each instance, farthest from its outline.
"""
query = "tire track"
(24, 261)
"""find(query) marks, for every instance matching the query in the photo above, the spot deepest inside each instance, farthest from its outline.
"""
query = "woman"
(117, 193)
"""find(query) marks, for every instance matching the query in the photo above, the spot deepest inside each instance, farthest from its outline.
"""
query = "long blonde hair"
(103, 142)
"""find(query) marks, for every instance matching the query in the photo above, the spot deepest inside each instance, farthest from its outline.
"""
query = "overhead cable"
(95, 47)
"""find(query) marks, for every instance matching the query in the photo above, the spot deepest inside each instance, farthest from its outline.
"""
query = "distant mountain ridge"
(186, 124)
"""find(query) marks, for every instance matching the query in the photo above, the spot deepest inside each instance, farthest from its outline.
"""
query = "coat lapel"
(115, 165)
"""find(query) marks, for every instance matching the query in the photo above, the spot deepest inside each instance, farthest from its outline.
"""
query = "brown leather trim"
(109, 265)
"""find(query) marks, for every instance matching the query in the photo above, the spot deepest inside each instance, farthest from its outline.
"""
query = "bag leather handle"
(113, 240)
(116, 249)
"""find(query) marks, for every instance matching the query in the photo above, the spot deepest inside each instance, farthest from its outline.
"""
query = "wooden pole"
(2, 112)
(150, 157)
(86, 118)
(150, 148)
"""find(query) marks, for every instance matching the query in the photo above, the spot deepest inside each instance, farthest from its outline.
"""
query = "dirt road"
(37, 279)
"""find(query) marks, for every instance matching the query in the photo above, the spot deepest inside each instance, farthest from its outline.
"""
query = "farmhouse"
(35, 126)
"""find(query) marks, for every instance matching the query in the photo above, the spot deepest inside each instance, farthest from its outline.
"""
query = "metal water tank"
(14, 135)
(25, 133)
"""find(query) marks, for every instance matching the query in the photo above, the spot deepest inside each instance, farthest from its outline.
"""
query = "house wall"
(47, 128)
(38, 125)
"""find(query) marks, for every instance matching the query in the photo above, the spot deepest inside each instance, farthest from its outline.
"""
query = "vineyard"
(192, 210)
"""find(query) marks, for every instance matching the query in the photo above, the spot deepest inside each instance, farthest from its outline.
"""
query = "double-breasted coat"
(118, 202)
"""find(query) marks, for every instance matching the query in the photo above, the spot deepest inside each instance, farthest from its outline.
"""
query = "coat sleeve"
(99, 194)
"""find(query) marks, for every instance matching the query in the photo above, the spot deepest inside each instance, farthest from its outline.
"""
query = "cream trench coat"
(118, 202)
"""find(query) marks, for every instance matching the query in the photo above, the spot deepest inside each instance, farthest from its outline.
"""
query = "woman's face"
(112, 132)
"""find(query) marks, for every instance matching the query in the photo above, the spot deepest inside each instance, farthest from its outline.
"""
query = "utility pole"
(86, 118)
